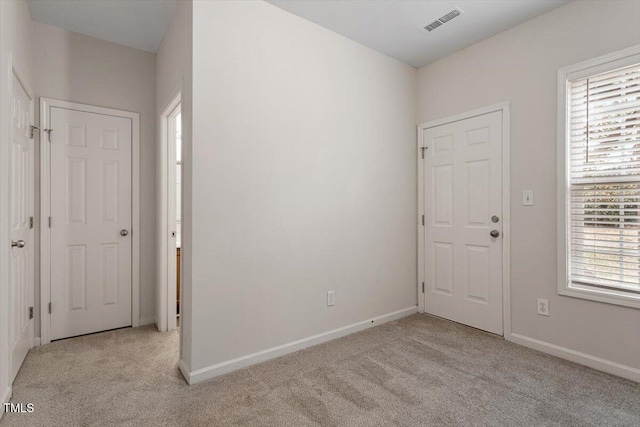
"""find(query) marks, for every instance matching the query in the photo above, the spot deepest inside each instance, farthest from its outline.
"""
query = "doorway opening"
(170, 216)
(175, 130)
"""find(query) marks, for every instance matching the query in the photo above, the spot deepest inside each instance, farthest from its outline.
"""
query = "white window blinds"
(604, 179)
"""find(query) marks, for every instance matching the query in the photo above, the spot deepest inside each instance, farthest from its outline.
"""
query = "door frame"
(166, 319)
(45, 208)
(504, 108)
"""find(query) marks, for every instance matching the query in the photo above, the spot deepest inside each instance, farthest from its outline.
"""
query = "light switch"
(527, 198)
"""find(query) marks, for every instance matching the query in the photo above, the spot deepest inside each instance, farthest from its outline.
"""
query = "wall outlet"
(527, 198)
(543, 307)
(331, 298)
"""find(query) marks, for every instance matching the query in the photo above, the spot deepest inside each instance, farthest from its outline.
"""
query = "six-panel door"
(22, 234)
(91, 222)
(462, 191)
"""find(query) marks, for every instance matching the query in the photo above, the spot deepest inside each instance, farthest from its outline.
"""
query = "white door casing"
(22, 226)
(90, 192)
(463, 189)
(166, 257)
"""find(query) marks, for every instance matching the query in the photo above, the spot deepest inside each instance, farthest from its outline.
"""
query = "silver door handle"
(124, 232)
(18, 244)
(494, 233)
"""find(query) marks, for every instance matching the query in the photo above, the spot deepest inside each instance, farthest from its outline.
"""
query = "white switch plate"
(543, 307)
(527, 198)
(331, 298)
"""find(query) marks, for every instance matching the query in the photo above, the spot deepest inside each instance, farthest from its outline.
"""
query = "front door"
(22, 233)
(91, 242)
(463, 221)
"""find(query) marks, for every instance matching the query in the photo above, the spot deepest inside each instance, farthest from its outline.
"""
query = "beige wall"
(520, 65)
(15, 41)
(303, 181)
(78, 68)
(173, 72)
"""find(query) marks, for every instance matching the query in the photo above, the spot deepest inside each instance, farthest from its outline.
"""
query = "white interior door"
(462, 192)
(91, 246)
(22, 234)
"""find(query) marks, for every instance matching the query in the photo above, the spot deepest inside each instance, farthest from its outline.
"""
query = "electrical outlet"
(331, 298)
(543, 307)
(527, 198)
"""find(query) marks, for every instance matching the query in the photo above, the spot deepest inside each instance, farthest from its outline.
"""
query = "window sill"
(601, 295)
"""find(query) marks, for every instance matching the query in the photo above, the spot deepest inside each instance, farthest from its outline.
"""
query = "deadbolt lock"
(495, 218)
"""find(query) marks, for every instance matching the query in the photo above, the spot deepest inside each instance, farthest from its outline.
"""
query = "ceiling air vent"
(433, 25)
(442, 20)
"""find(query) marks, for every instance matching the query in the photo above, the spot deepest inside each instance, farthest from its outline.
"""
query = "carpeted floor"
(416, 371)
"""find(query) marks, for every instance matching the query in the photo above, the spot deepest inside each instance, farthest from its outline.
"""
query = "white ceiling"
(393, 26)
(140, 24)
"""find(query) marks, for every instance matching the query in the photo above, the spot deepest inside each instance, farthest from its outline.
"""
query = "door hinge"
(423, 220)
(423, 150)
(423, 287)
(48, 131)
(30, 222)
(32, 131)
(49, 308)
(30, 312)
(49, 222)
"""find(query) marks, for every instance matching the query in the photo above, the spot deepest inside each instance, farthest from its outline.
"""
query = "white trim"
(167, 223)
(5, 254)
(45, 232)
(503, 107)
(5, 229)
(17, 72)
(36, 342)
(149, 320)
(594, 362)
(421, 248)
(597, 65)
(45, 209)
(186, 373)
(222, 368)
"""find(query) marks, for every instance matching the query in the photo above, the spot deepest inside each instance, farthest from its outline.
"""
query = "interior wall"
(304, 181)
(78, 68)
(520, 65)
(15, 41)
(173, 73)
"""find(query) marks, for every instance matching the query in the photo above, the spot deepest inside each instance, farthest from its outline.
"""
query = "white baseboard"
(4, 399)
(185, 371)
(594, 362)
(218, 369)
(36, 341)
(151, 320)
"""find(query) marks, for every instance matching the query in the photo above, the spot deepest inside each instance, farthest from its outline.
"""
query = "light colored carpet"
(416, 371)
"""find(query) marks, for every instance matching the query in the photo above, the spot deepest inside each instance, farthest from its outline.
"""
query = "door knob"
(18, 244)
(494, 233)
(123, 232)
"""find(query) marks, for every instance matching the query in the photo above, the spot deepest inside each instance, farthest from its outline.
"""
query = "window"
(599, 201)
